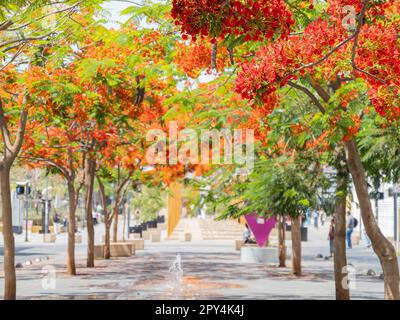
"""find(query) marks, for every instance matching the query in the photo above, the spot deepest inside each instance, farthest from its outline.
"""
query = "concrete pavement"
(211, 270)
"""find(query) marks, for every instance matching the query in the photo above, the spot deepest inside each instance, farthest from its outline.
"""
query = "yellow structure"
(174, 206)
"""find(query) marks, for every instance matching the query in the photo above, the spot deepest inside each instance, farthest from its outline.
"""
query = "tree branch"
(309, 94)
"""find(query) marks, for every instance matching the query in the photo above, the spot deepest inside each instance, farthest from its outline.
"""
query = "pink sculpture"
(261, 227)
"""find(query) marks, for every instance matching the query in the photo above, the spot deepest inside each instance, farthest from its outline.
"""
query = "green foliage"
(379, 144)
(149, 202)
(279, 187)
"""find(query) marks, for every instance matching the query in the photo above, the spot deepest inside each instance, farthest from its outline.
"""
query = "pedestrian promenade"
(210, 270)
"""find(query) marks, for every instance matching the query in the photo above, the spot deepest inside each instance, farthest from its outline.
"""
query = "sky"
(115, 7)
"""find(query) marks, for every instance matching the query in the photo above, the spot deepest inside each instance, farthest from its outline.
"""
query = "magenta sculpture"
(261, 227)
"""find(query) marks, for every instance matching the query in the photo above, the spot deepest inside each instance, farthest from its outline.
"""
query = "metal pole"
(398, 233)
(129, 219)
(26, 211)
(46, 217)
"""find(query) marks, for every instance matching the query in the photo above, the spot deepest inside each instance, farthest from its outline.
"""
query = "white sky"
(115, 7)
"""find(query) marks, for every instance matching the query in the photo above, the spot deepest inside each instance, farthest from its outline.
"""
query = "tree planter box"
(255, 254)
(103, 239)
(117, 250)
(36, 229)
(135, 236)
(49, 238)
(122, 249)
(155, 237)
(162, 226)
(146, 235)
(139, 243)
(238, 244)
(186, 237)
(99, 251)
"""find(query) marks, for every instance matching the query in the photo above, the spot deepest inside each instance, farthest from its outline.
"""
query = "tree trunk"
(339, 257)
(296, 247)
(282, 244)
(71, 269)
(382, 247)
(107, 222)
(90, 170)
(124, 219)
(107, 253)
(115, 216)
(10, 287)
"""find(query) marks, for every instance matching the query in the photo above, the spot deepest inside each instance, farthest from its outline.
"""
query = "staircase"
(187, 225)
(220, 230)
(207, 229)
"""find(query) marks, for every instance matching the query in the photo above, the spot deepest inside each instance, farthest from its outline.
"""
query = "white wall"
(385, 210)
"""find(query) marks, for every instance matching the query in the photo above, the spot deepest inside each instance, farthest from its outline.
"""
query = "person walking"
(316, 216)
(331, 237)
(349, 229)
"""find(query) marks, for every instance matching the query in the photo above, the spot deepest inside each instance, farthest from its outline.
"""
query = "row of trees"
(317, 74)
(78, 99)
(310, 85)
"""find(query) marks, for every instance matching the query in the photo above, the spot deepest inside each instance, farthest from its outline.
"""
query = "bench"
(146, 235)
(186, 237)
(117, 249)
(155, 236)
(135, 236)
(139, 243)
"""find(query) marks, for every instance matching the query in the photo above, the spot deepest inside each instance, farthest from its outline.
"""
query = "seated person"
(247, 235)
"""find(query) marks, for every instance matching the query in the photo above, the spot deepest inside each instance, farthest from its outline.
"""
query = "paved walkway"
(211, 270)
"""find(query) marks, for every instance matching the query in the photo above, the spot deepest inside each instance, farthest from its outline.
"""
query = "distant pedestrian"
(94, 217)
(322, 216)
(331, 237)
(303, 219)
(316, 216)
(349, 229)
(56, 217)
